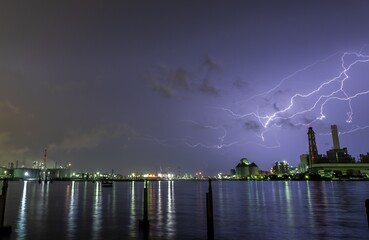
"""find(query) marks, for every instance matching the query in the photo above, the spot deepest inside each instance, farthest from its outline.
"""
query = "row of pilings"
(144, 223)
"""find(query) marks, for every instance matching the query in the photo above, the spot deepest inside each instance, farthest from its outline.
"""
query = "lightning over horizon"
(116, 84)
(329, 90)
(314, 101)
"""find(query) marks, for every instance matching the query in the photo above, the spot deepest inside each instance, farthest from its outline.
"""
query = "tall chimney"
(336, 142)
(45, 156)
(313, 150)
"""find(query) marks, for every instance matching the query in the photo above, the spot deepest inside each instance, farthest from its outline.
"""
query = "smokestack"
(45, 156)
(336, 142)
(313, 150)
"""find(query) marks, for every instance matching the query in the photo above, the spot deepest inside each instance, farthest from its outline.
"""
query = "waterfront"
(177, 210)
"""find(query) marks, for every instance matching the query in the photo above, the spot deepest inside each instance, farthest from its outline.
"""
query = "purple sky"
(189, 85)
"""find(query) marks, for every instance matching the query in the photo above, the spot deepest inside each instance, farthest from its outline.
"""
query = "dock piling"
(4, 230)
(367, 210)
(144, 223)
(209, 212)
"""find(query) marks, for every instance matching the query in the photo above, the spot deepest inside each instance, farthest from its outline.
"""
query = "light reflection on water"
(132, 216)
(70, 195)
(171, 219)
(159, 208)
(177, 210)
(22, 216)
(97, 212)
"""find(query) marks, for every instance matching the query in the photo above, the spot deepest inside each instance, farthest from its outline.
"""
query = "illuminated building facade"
(304, 163)
(281, 168)
(336, 159)
(245, 169)
(364, 158)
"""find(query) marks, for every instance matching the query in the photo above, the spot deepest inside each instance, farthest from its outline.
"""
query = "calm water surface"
(177, 210)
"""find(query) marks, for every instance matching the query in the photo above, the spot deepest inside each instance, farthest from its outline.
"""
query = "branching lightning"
(354, 129)
(220, 139)
(337, 93)
(194, 142)
(302, 108)
(292, 75)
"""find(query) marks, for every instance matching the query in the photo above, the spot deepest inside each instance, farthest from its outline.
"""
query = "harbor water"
(177, 210)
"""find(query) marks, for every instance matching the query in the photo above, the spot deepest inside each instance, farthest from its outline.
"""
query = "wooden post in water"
(145, 216)
(209, 212)
(367, 210)
(4, 230)
(144, 223)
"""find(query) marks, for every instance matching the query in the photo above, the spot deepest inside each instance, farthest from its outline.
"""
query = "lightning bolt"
(292, 75)
(221, 138)
(163, 142)
(192, 141)
(310, 105)
(355, 129)
(338, 93)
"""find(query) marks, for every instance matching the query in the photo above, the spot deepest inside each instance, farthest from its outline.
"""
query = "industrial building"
(304, 163)
(245, 169)
(336, 160)
(35, 173)
(281, 168)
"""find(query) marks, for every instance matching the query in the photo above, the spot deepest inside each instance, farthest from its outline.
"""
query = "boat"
(106, 183)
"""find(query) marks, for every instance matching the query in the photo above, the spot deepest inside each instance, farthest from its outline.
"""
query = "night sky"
(180, 85)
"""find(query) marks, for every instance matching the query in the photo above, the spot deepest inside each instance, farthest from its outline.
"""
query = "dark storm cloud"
(287, 123)
(274, 101)
(252, 125)
(168, 82)
(274, 95)
(172, 82)
(163, 89)
(300, 122)
(94, 137)
(265, 101)
(208, 69)
(182, 78)
(207, 88)
(307, 119)
(241, 84)
(275, 107)
(280, 92)
(210, 66)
